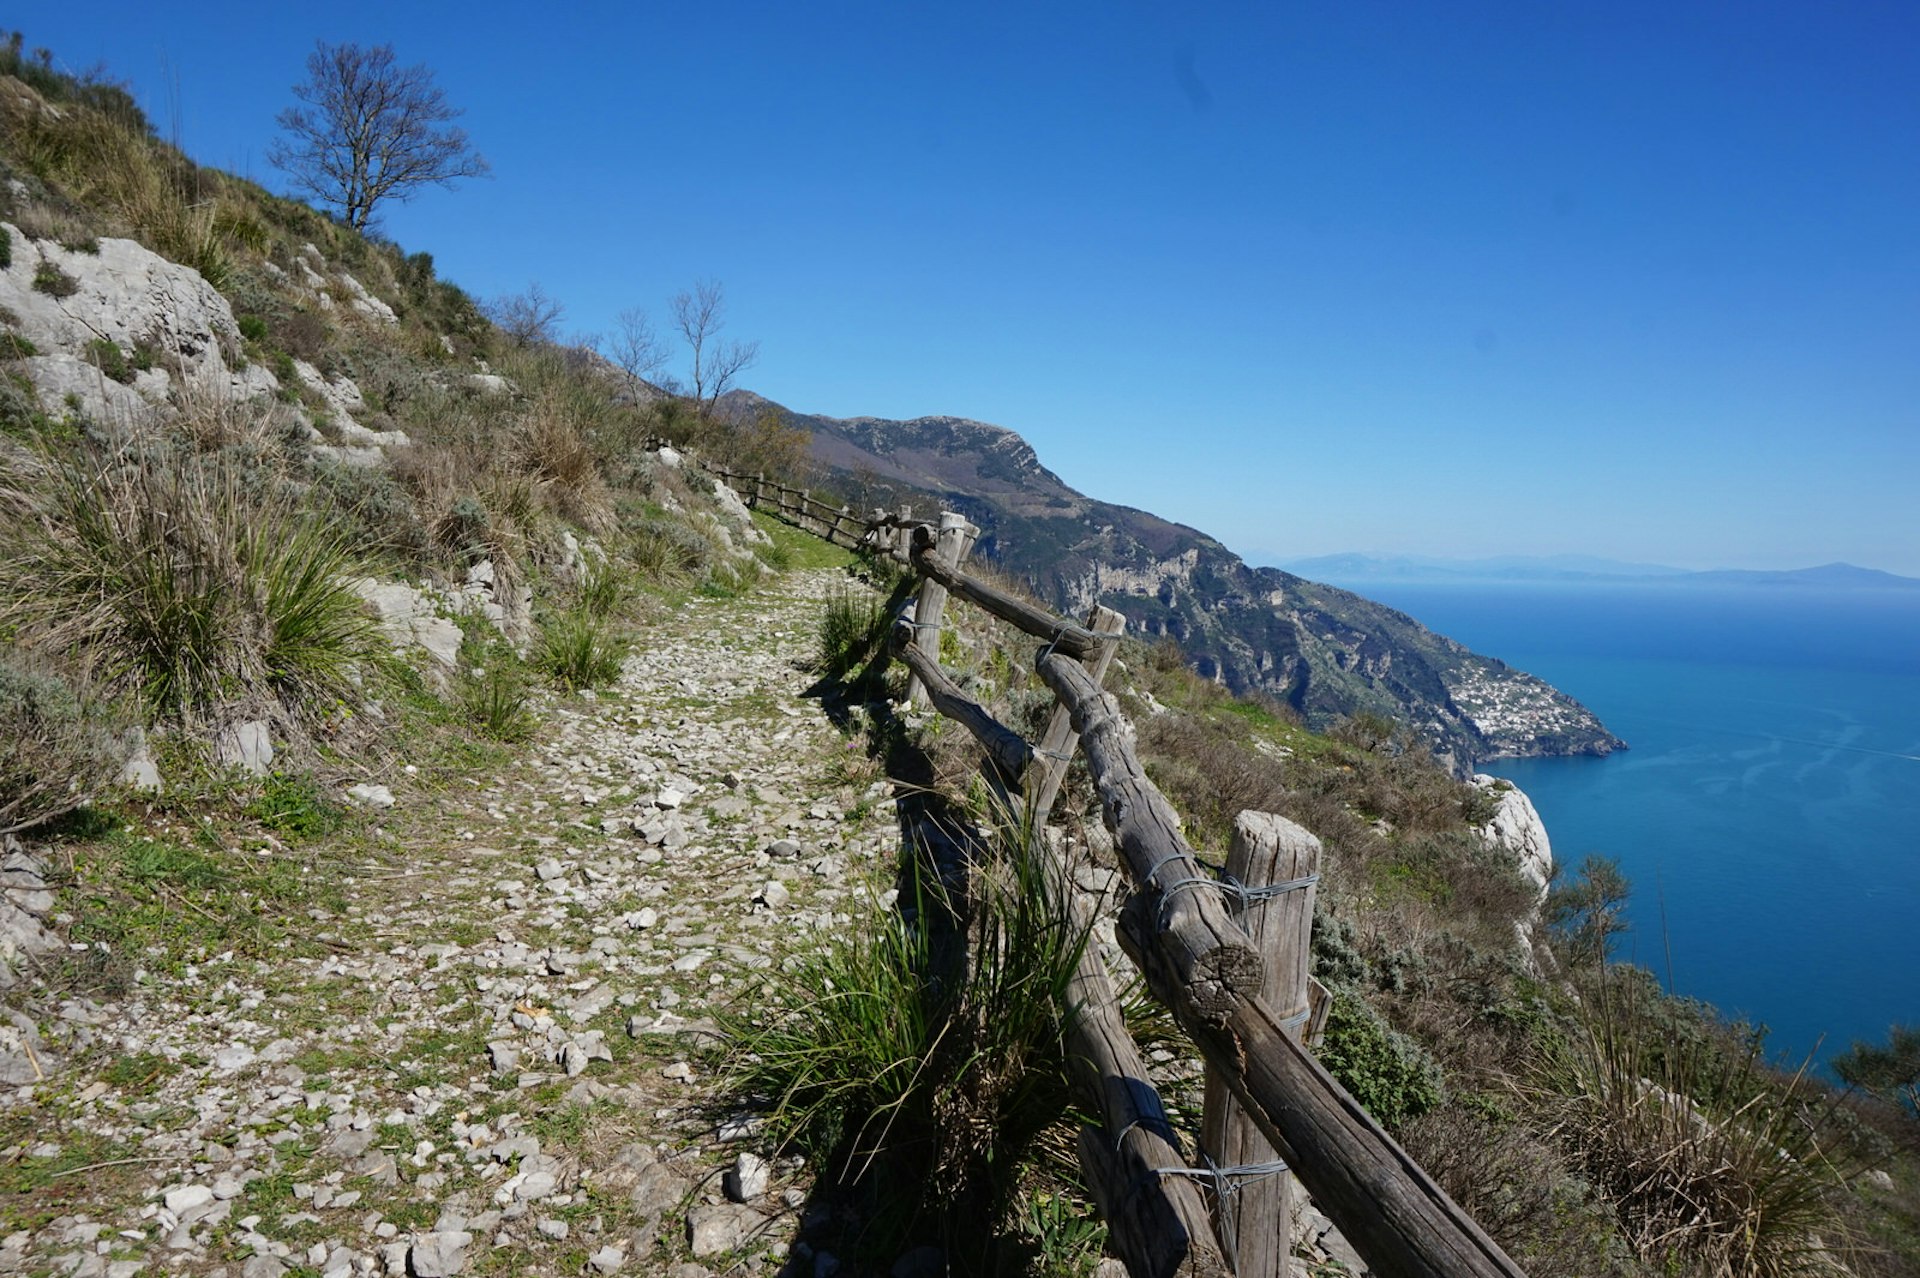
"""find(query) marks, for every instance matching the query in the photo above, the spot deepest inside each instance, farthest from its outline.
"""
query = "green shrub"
(48, 278)
(295, 805)
(59, 746)
(577, 650)
(252, 328)
(16, 346)
(105, 354)
(6, 248)
(1387, 1072)
(177, 584)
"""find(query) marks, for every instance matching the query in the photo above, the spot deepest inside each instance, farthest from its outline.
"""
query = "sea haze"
(1768, 811)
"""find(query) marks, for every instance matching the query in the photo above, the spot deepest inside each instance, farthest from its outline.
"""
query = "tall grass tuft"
(890, 1071)
(172, 579)
(852, 628)
(579, 650)
(1716, 1164)
(59, 746)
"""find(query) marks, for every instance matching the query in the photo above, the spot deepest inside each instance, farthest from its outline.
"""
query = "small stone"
(679, 1071)
(747, 1179)
(188, 1197)
(439, 1254)
(774, 895)
(503, 1057)
(714, 1231)
(669, 798)
(783, 849)
(370, 796)
(549, 870)
(553, 1228)
(608, 1260)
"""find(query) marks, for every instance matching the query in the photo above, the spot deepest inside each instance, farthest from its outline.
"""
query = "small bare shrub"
(60, 746)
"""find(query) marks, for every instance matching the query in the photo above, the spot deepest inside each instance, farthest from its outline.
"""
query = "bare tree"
(699, 316)
(370, 131)
(637, 346)
(530, 319)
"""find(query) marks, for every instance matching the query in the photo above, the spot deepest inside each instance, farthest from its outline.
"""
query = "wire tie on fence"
(1298, 1018)
(1226, 1182)
(1167, 1134)
(1052, 754)
(1243, 895)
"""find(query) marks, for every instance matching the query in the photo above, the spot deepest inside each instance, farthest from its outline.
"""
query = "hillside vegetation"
(410, 780)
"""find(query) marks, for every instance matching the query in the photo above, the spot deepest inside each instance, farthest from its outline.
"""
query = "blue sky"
(1636, 280)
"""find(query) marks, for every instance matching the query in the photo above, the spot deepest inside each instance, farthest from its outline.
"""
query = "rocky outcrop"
(64, 300)
(1516, 825)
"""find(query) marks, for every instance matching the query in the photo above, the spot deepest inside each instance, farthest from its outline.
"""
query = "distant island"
(1569, 569)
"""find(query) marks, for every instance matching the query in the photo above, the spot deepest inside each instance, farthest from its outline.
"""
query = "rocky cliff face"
(1326, 652)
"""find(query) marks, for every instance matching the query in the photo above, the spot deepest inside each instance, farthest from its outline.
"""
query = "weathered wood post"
(902, 548)
(1269, 854)
(933, 598)
(1055, 750)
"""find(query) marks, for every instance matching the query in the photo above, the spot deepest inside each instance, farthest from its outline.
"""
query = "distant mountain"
(1320, 649)
(1355, 569)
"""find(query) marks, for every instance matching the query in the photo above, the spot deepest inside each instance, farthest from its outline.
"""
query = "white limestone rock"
(1516, 825)
(247, 746)
(411, 618)
(126, 294)
(66, 384)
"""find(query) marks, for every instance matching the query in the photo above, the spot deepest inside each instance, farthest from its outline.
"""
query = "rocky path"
(497, 1059)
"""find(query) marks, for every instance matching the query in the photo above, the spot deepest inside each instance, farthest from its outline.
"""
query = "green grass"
(793, 549)
(577, 650)
(295, 806)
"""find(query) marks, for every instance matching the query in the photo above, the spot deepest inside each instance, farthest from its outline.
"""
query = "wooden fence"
(1227, 955)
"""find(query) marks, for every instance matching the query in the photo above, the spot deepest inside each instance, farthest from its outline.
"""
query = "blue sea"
(1768, 811)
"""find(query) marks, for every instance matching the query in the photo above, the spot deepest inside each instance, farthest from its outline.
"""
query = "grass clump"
(579, 650)
(1716, 1164)
(893, 1066)
(494, 701)
(852, 628)
(175, 580)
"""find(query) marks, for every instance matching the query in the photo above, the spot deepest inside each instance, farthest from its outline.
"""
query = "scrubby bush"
(59, 745)
(176, 585)
(1387, 1072)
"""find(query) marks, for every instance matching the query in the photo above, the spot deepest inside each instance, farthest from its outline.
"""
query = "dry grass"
(170, 578)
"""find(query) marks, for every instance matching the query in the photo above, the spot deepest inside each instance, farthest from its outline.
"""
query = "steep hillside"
(1326, 652)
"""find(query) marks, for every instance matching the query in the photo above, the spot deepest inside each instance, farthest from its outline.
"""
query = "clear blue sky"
(1637, 280)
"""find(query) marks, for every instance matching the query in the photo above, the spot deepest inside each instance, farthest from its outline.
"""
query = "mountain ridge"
(1325, 651)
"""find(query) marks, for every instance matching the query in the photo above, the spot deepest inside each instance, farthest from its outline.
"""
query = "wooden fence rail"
(1179, 928)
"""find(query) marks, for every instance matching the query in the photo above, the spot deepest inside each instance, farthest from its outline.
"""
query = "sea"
(1768, 810)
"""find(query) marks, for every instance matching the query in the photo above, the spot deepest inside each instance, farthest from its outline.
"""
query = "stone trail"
(501, 1063)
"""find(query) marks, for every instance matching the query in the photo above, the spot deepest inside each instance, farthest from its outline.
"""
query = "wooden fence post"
(1255, 1214)
(1055, 750)
(933, 599)
(902, 548)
